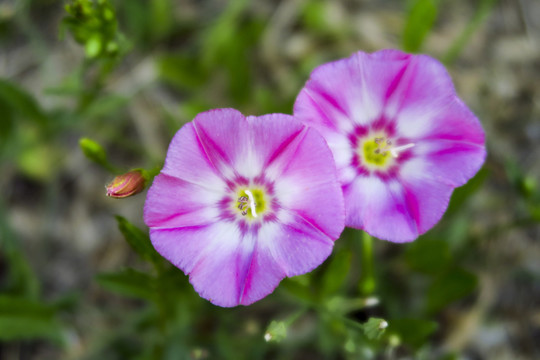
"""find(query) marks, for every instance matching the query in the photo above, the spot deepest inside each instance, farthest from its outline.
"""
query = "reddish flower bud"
(127, 184)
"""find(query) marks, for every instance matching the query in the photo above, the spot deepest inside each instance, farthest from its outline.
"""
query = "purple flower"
(401, 138)
(243, 202)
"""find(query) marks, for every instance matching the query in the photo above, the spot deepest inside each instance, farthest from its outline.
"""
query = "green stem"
(367, 279)
(295, 316)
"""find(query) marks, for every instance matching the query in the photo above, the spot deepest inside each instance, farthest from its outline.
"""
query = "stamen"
(251, 202)
(243, 202)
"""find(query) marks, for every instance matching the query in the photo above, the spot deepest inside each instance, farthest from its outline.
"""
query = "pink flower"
(401, 138)
(243, 202)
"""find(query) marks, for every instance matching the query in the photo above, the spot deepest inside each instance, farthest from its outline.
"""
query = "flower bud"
(276, 332)
(127, 184)
(374, 328)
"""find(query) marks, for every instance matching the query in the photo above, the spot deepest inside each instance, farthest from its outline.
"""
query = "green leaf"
(449, 287)
(182, 70)
(413, 332)
(162, 17)
(7, 123)
(420, 19)
(374, 328)
(336, 272)
(22, 102)
(129, 282)
(298, 286)
(428, 256)
(105, 106)
(18, 278)
(463, 193)
(21, 318)
(138, 240)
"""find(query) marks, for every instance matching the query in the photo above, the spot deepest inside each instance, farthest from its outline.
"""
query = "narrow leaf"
(138, 240)
(336, 273)
(21, 318)
(129, 282)
(420, 19)
(22, 102)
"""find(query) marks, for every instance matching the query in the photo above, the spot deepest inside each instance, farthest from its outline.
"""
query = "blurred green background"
(127, 74)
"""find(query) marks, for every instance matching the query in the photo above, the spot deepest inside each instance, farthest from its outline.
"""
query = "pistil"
(247, 203)
(394, 151)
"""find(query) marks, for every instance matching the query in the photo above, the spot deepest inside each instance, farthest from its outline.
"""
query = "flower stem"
(367, 277)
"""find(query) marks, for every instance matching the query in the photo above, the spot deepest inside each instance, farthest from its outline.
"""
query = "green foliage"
(449, 287)
(24, 129)
(93, 24)
(336, 273)
(420, 19)
(138, 240)
(465, 192)
(428, 256)
(527, 187)
(19, 279)
(16, 99)
(21, 318)
(129, 282)
(212, 56)
(412, 331)
(182, 70)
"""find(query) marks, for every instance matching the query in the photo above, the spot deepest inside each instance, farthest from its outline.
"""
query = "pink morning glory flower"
(401, 138)
(243, 202)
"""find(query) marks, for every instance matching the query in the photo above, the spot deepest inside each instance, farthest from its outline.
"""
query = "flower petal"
(222, 134)
(187, 160)
(454, 122)
(448, 161)
(211, 254)
(297, 246)
(381, 209)
(350, 91)
(275, 138)
(424, 88)
(309, 187)
(427, 198)
(220, 276)
(172, 202)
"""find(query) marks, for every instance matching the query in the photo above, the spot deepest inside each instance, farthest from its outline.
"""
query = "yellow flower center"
(379, 152)
(251, 203)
